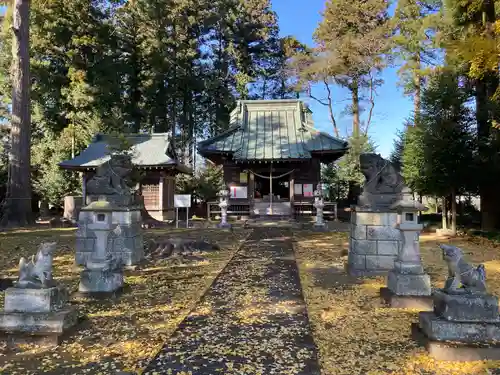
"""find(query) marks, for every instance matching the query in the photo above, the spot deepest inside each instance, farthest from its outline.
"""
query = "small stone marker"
(35, 308)
(465, 323)
(408, 286)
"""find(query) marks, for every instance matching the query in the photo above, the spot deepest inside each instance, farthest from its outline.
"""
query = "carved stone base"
(446, 351)
(35, 300)
(422, 303)
(406, 284)
(42, 325)
(439, 329)
(320, 227)
(466, 307)
(98, 281)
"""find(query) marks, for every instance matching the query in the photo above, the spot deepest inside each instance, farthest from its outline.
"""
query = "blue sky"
(300, 18)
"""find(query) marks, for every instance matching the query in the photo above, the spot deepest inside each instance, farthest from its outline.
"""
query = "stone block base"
(422, 303)
(455, 351)
(35, 300)
(439, 329)
(466, 307)
(405, 284)
(41, 323)
(374, 242)
(320, 228)
(97, 281)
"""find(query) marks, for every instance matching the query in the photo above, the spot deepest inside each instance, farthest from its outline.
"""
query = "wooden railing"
(234, 209)
(308, 209)
(300, 209)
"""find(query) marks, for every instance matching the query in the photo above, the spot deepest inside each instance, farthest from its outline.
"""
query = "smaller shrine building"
(271, 155)
(153, 154)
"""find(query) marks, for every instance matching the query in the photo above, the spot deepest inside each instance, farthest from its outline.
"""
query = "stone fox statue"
(38, 271)
(462, 277)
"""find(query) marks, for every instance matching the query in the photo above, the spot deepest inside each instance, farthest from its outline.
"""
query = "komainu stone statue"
(462, 277)
(37, 273)
(381, 176)
(113, 177)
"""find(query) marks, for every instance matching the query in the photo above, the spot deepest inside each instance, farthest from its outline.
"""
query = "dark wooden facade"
(152, 155)
(272, 142)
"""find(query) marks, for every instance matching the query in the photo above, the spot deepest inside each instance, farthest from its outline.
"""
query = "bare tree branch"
(329, 103)
(371, 100)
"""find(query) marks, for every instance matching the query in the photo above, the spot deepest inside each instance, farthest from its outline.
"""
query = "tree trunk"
(355, 109)
(453, 212)
(444, 215)
(417, 82)
(17, 206)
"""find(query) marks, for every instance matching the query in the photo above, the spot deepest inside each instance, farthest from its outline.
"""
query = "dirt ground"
(355, 333)
(121, 334)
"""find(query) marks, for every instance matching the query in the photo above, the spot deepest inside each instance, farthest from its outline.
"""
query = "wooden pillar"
(161, 192)
(292, 189)
(84, 188)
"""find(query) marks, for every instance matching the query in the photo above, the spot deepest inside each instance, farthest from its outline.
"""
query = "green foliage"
(438, 156)
(337, 188)
(49, 181)
(204, 185)
(349, 164)
(398, 148)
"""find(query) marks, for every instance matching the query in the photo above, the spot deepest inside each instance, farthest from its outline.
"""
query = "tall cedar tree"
(439, 157)
(471, 44)
(352, 39)
(16, 210)
(414, 23)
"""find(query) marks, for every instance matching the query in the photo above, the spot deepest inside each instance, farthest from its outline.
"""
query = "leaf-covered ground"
(252, 320)
(121, 334)
(355, 334)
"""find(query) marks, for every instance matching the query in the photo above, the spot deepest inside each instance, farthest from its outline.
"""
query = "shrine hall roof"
(148, 151)
(272, 130)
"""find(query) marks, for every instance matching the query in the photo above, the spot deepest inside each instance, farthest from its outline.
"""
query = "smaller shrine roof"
(149, 151)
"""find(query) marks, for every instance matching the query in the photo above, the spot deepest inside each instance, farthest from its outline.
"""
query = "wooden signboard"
(239, 192)
(308, 190)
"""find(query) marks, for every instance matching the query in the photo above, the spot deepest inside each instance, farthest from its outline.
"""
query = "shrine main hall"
(271, 155)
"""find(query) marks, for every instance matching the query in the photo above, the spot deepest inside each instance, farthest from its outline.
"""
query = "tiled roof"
(148, 150)
(271, 130)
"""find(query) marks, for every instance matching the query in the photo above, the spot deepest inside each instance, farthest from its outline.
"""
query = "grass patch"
(126, 333)
(355, 334)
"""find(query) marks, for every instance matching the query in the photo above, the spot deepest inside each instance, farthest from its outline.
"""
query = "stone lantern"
(224, 204)
(319, 204)
(408, 286)
(103, 273)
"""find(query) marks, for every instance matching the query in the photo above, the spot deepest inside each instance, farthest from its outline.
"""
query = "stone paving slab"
(253, 320)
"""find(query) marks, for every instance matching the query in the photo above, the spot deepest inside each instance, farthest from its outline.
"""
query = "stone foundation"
(98, 281)
(125, 242)
(374, 242)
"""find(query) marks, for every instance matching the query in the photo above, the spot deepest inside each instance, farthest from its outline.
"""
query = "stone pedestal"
(465, 323)
(374, 241)
(97, 282)
(124, 240)
(40, 312)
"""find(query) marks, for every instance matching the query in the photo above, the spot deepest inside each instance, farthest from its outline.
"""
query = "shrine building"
(153, 154)
(271, 155)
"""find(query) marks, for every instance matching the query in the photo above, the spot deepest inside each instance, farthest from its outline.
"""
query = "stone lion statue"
(462, 277)
(37, 272)
(381, 176)
(113, 177)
